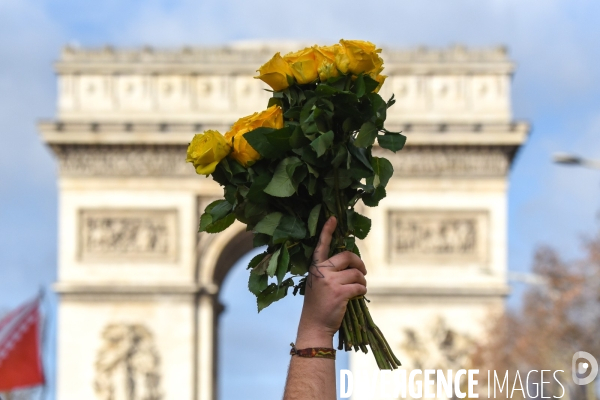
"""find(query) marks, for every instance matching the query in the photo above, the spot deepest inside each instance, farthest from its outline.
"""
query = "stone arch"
(217, 254)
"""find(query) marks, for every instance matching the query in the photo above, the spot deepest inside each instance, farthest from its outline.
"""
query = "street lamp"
(571, 159)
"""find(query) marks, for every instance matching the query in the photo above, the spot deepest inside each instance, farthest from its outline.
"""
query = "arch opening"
(250, 349)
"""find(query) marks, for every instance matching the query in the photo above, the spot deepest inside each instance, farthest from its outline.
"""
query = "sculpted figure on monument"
(127, 364)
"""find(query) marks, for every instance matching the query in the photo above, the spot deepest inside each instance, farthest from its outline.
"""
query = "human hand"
(331, 282)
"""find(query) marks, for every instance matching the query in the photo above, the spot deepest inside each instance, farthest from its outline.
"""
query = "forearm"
(330, 283)
(311, 378)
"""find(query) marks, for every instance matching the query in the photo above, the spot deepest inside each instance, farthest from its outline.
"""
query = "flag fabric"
(20, 356)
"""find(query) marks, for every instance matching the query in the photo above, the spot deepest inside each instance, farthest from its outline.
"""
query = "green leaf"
(280, 139)
(257, 189)
(273, 293)
(359, 86)
(282, 185)
(299, 261)
(236, 168)
(392, 141)
(256, 260)
(221, 225)
(370, 84)
(313, 171)
(205, 220)
(326, 89)
(221, 209)
(290, 227)
(328, 196)
(272, 268)
(252, 210)
(349, 243)
(299, 175)
(313, 218)
(360, 224)
(391, 101)
(361, 155)
(260, 239)
(344, 178)
(341, 156)
(307, 109)
(379, 108)
(261, 267)
(373, 199)
(274, 101)
(298, 140)
(383, 170)
(283, 263)
(215, 218)
(292, 113)
(322, 143)
(312, 185)
(366, 135)
(268, 224)
(259, 142)
(229, 193)
(257, 283)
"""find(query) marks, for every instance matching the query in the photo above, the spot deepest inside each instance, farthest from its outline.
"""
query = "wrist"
(312, 336)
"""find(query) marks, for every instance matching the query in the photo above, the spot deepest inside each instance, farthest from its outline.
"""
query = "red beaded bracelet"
(313, 352)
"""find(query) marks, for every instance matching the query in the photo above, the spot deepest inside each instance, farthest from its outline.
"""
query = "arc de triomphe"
(139, 287)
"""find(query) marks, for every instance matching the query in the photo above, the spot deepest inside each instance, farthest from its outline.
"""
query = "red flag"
(20, 361)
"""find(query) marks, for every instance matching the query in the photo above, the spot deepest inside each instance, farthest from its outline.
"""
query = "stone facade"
(132, 266)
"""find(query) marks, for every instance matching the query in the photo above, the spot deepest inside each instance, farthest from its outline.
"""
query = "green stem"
(386, 350)
(348, 327)
(380, 334)
(361, 319)
(366, 312)
(355, 325)
(392, 357)
(376, 352)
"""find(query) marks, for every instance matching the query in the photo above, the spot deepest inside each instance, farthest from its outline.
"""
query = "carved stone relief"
(415, 162)
(148, 160)
(127, 364)
(438, 237)
(128, 235)
(437, 347)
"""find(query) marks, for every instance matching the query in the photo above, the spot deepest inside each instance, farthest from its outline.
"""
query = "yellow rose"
(206, 150)
(303, 65)
(275, 72)
(358, 56)
(325, 58)
(380, 79)
(242, 152)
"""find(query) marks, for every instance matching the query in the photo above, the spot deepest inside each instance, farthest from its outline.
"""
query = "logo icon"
(580, 368)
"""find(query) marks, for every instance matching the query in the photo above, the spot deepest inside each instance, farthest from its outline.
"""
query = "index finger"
(321, 252)
(347, 259)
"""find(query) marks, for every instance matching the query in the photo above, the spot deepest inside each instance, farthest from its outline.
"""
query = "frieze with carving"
(166, 160)
(437, 236)
(428, 161)
(128, 235)
(122, 160)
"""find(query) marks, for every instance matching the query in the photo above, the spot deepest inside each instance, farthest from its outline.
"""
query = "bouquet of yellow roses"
(307, 157)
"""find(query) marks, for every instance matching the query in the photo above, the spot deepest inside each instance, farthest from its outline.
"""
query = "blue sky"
(556, 87)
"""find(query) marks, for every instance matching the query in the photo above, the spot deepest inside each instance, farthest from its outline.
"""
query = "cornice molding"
(244, 58)
(433, 293)
(57, 132)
